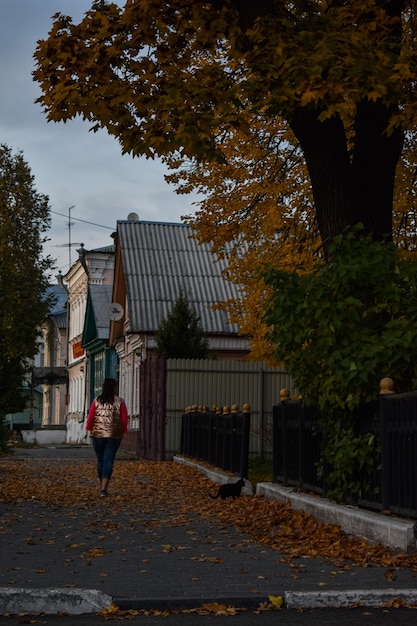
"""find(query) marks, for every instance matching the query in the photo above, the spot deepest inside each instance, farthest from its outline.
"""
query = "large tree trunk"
(325, 151)
(349, 189)
(374, 162)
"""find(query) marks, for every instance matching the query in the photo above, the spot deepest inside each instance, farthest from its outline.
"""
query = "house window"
(99, 372)
(136, 390)
(127, 385)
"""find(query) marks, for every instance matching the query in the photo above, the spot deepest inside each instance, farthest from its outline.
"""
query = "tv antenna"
(69, 233)
(70, 243)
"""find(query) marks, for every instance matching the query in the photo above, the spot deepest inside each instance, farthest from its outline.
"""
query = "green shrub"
(338, 330)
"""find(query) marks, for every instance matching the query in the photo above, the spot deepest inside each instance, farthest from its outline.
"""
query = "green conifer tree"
(180, 335)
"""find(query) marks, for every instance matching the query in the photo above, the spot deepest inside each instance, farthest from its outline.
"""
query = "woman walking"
(107, 423)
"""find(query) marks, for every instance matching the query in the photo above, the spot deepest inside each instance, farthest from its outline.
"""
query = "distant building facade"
(92, 271)
(55, 391)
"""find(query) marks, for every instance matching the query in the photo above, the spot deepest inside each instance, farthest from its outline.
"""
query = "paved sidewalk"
(50, 557)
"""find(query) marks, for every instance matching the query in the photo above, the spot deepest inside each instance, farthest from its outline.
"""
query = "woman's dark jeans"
(105, 449)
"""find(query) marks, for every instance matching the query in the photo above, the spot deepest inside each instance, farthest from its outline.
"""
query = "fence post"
(219, 436)
(193, 432)
(227, 439)
(284, 444)
(275, 443)
(244, 451)
(185, 433)
(386, 388)
(301, 446)
(278, 435)
(236, 439)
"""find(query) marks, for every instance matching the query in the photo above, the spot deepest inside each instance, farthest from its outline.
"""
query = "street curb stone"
(393, 532)
(348, 598)
(214, 475)
(74, 601)
(86, 601)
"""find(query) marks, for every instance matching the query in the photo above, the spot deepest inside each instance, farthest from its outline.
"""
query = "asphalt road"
(320, 617)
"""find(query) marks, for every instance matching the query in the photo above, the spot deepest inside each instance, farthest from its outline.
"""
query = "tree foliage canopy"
(24, 217)
(172, 77)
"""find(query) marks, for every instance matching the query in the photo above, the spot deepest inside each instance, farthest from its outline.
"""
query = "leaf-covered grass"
(260, 470)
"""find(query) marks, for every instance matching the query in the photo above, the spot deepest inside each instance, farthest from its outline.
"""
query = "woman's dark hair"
(108, 391)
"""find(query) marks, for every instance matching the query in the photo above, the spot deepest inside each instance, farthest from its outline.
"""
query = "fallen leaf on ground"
(152, 487)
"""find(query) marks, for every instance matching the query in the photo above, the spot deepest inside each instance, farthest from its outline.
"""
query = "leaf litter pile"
(147, 486)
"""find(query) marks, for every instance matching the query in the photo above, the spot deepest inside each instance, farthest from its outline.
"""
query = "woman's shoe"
(103, 493)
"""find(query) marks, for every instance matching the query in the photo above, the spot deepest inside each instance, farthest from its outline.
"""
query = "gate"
(153, 409)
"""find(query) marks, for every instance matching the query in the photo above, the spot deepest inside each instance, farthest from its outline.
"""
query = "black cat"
(229, 490)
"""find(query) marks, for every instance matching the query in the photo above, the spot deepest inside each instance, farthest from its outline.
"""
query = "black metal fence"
(297, 443)
(398, 438)
(219, 439)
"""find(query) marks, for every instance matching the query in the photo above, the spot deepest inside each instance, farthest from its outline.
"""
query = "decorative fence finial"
(284, 394)
(386, 385)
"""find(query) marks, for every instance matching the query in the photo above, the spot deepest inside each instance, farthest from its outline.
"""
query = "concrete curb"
(344, 599)
(86, 601)
(74, 601)
(372, 598)
(393, 532)
(214, 475)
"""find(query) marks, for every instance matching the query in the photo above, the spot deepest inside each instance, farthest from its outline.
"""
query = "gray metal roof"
(59, 299)
(100, 299)
(109, 248)
(160, 261)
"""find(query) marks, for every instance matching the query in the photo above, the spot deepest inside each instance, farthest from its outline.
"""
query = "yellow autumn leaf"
(276, 601)
(308, 97)
(95, 552)
(113, 609)
(218, 609)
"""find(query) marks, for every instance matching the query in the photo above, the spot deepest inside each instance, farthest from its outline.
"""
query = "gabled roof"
(160, 260)
(101, 298)
(97, 322)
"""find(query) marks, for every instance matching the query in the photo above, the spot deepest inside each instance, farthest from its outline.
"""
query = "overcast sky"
(72, 166)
